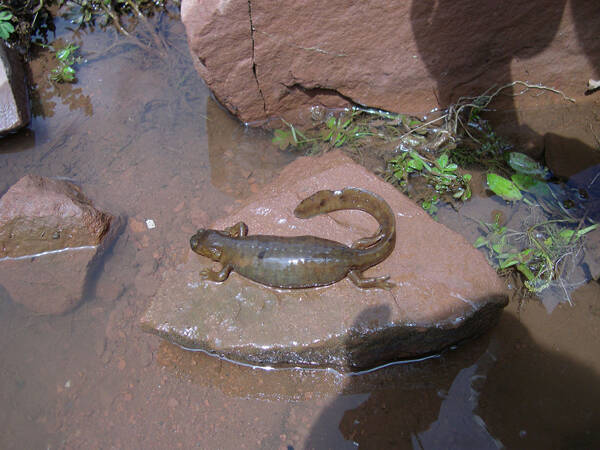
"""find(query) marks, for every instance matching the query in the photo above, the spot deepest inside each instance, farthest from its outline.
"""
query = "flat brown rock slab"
(445, 290)
(51, 239)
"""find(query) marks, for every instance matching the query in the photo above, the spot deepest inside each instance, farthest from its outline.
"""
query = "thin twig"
(422, 126)
(482, 102)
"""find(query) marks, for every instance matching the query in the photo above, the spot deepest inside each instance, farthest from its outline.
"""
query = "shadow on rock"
(469, 47)
(582, 11)
(295, 384)
(502, 389)
(472, 40)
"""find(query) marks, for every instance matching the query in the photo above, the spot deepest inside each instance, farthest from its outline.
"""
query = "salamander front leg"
(374, 282)
(208, 274)
(237, 230)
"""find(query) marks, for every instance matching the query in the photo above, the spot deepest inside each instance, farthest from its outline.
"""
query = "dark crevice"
(314, 91)
(253, 60)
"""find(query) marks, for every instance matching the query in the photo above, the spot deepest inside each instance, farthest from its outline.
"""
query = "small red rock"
(51, 237)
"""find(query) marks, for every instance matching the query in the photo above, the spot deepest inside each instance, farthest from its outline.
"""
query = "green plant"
(339, 130)
(65, 72)
(430, 205)
(536, 253)
(109, 12)
(501, 251)
(503, 187)
(22, 21)
(539, 253)
(527, 177)
(486, 152)
(440, 173)
(6, 27)
(291, 136)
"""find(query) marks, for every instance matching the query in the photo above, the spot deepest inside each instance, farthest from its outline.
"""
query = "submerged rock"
(14, 102)
(445, 290)
(51, 238)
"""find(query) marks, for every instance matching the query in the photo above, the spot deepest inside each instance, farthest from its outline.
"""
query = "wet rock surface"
(445, 290)
(39, 214)
(263, 60)
(51, 239)
(14, 101)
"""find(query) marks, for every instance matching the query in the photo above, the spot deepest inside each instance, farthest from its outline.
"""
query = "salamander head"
(207, 243)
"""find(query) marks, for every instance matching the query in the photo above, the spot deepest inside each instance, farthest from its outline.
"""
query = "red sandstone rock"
(445, 290)
(14, 101)
(51, 238)
(267, 59)
(39, 214)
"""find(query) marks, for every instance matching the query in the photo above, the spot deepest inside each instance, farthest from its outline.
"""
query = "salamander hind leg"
(237, 230)
(222, 275)
(374, 282)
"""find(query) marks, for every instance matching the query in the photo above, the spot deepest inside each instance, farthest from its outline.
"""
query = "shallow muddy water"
(142, 137)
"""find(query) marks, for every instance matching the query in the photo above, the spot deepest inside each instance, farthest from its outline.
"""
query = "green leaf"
(503, 187)
(399, 174)
(522, 163)
(498, 247)
(283, 138)
(5, 15)
(63, 54)
(6, 28)
(416, 164)
(480, 242)
(443, 160)
(587, 230)
(508, 263)
(466, 194)
(525, 271)
(567, 235)
(415, 156)
(523, 181)
(532, 185)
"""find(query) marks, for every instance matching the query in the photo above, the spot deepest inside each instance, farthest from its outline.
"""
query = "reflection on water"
(241, 159)
(145, 141)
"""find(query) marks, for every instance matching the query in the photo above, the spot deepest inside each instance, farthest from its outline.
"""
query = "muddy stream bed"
(142, 137)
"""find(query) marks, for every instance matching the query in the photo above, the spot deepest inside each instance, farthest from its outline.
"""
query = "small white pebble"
(150, 224)
(68, 384)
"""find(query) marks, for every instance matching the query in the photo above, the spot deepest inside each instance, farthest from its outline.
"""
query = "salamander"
(303, 261)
